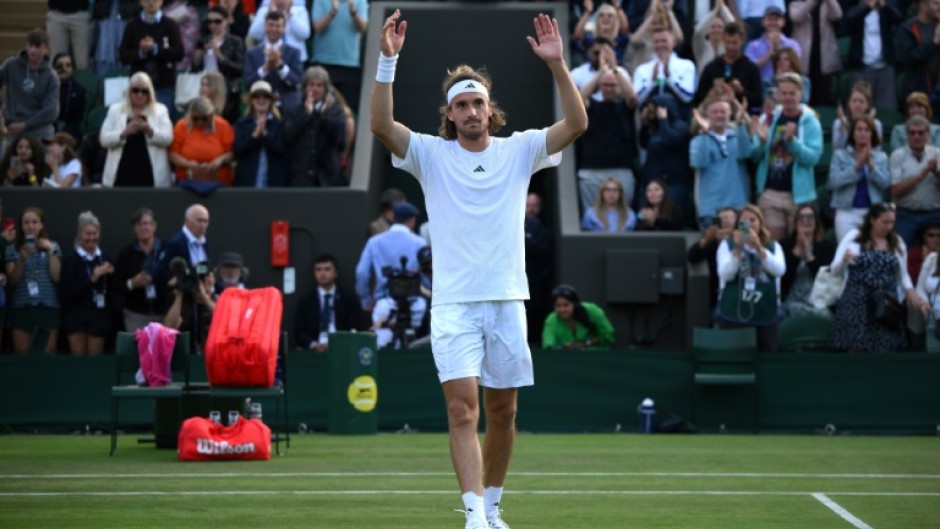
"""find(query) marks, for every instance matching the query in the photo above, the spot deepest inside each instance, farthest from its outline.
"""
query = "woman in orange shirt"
(202, 145)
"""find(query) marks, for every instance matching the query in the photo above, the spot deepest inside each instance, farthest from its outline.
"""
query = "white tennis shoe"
(475, 521)
(496, 521)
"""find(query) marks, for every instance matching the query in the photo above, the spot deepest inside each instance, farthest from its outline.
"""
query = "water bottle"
(646, 410)
(215, 416)
(233, 417)
(255, 410)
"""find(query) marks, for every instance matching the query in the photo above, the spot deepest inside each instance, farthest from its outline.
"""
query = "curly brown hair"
(497, 118)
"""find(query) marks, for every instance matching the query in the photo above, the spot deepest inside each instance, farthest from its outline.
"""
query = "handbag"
(187, 88)
(827, 288)
(244, 338)
(200, 439)
(886, 310)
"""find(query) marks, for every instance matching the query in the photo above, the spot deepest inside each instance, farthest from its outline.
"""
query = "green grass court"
(595, 481)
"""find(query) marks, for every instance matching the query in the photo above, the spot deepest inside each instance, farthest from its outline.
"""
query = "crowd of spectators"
(775, 128)
(193, 65)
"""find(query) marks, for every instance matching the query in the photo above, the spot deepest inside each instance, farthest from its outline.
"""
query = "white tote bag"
(827, 288)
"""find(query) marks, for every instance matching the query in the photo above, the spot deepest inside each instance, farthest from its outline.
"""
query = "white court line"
(438, 492)
(450, 474)
(838, 509)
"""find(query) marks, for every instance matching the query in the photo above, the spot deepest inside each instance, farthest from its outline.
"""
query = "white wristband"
(385, 73)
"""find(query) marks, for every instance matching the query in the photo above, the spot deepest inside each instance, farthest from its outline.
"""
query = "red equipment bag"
(242, 346)
(201, 439)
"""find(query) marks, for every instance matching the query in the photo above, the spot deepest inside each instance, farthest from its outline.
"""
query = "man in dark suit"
(275, 62)
(189, 243)
(312, 323)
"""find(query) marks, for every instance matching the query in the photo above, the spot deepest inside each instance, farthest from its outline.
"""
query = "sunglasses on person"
(199, 119)
(140, 90)
(805, 217)
(214, 21)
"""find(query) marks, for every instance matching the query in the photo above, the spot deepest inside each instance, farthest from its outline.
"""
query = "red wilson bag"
(201, 439)
(242, 346)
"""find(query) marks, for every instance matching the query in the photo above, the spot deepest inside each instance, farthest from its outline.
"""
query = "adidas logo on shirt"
(479, 169)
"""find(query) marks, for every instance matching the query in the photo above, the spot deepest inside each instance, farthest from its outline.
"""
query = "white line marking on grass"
(838, 509)
(450, 474)
(417, 492)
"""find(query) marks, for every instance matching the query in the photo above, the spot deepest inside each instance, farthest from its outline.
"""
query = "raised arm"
(547, 45)
(392, 134)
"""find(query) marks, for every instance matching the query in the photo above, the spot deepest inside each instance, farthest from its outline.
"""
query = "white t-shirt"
(476, 211)
(73, 167)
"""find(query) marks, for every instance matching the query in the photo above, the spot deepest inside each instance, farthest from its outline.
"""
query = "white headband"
(467, 86)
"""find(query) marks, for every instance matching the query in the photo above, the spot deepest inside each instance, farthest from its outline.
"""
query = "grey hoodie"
(37, 107)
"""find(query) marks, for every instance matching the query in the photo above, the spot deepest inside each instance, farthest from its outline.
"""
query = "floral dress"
(853, 328)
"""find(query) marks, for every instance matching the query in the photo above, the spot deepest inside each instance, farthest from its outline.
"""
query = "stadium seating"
(800, 334)
(95, 119)
(725, 375)
(92, 85)
(724, 356)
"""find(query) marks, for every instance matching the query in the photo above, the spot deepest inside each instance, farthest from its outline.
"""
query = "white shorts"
(485, 339)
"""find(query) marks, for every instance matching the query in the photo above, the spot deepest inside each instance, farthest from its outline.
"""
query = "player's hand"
(393, 38)
(547, 45)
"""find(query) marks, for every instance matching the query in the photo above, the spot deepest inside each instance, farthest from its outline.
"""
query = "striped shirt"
(36, 268)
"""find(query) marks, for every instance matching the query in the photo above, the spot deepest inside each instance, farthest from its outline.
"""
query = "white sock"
(491, 499)
(474, 505)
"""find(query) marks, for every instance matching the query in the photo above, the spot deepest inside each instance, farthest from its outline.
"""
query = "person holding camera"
(33, 267)
(397, 320)
(383, 253)
(750, 265)
(182, 266)
(23, 162)
(193, 300)
(718, 229)
(136, 133)
(664, 137)
(7, 238)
